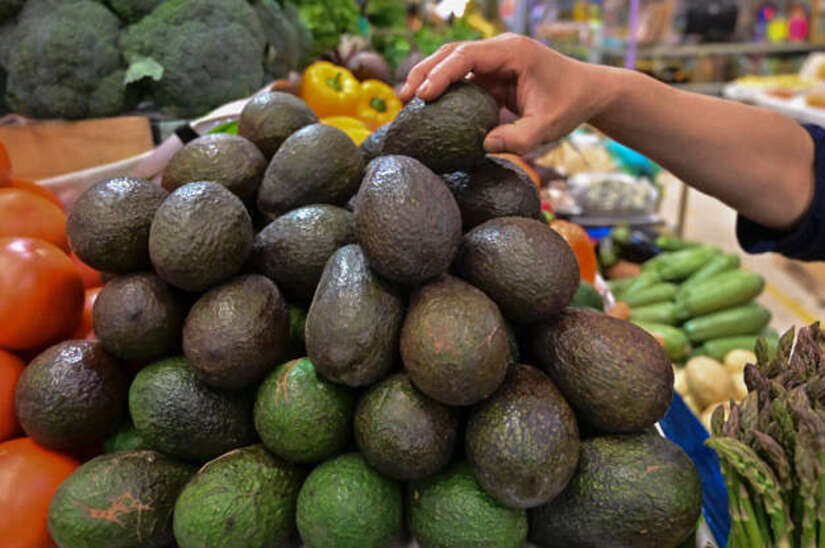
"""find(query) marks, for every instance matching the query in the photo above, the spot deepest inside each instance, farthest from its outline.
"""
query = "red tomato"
(10, 368)
(41, 294)
(85, 329)
(29, 476)
(582, 246)
(90, 276)
(41, 191)
(5, 165)
(25, 214)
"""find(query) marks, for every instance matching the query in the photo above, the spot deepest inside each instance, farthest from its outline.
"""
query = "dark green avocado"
(293, 249)
(108, 227)
(354, 321)
(229, 160)
(373, 146)
(272, 116)
(406, 220)
(125, 438)
(635, 490)
(614, 373)
(446, 134)
(318, 164)
(535, 468)
(237, 332)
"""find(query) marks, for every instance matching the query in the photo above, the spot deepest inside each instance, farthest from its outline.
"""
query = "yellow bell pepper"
(330, 90)
(378, 104)
(355, 128)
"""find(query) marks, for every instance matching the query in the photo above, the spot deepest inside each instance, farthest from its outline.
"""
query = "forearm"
(755, 160)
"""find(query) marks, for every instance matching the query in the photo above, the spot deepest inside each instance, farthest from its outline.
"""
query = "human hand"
(551, 93)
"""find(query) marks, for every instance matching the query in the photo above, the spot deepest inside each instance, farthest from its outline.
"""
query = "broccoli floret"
(282, 53)
(132, 11)
(62, 51)
(9, 8)
(211, 52)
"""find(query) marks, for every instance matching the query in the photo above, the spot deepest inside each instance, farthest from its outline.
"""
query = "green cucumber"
(676, 344)
(681, 264)
(618, 285)
(667, 313)
(666, 243)
(717, 265)
(720, 292)
(642, 281)
(747, 319)
(719, 348)
(653, 294)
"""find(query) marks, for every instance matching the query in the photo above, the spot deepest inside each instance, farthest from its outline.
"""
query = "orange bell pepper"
(378, 105)
(330, 90)
(578, 239)
(355, 128)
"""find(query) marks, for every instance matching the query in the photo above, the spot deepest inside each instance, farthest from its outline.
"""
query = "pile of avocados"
(298, 346)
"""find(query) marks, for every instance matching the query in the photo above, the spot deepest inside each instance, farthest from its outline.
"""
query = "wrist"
(611, 85)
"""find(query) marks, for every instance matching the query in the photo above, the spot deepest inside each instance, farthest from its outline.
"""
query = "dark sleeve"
(805, 242)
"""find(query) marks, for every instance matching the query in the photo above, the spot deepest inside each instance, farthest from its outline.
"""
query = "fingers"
(420, 71)
(520, 137)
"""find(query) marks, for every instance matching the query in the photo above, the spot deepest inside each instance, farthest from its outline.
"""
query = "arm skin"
(757, 161)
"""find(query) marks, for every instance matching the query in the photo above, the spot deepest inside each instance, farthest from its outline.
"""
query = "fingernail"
(494, 144)
(424, 88)
(405, 90)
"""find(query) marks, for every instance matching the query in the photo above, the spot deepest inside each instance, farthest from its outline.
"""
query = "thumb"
(520, 137)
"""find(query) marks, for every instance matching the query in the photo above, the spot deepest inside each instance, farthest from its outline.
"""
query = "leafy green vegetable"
(226, 127)
(327, 20)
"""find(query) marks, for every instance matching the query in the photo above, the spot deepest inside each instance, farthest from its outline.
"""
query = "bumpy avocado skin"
(403, 433)
(201, 235)
(522, 264)
(450, 510)
(446, 134)
(318, 164)
(354, 321)
(346, 504)
(293, 249)
(237, 332)
(229, 160)
(272, 116)
(120, 500)
(179, 415)
(87, 406)
(406, 220)
(453, 342)
(138, 317)
(614, 373)
(527, 407)
(373, 146)
(495, 188)
(635, 490)
(108, 227)
(246, 497)
(302, 417)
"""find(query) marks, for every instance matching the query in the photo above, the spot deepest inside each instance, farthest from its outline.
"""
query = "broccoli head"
(211, 52)
(282, 51)
(132, 10)
(62, 53)
(9, 8)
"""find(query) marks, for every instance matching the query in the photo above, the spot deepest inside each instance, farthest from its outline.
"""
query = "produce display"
(388, 348)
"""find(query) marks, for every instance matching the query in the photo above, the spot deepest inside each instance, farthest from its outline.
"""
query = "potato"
(692, 405)
(708, 381)
(680, 381)
(706, 415)
(736, 360)
(740, 389)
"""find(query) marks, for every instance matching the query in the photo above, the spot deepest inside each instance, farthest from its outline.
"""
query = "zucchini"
(717, 265)
(681, 264)
(666, 243)
(677, 346)
(618, 285)
(642, 281)
(719, 348)
(667, 313)
(721, 291)
(653, 294)
(747, 319)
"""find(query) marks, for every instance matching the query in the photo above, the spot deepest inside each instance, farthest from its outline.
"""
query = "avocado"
(494, 188)
(525, 266)
(300, 416)
(406, 220)
(635, 490)
(373, 145)
(450, 510)
(614, 373)
(446, 134)
(246, 497)
(71, 395)
(118, 500)
(138, 317)
(272, 116)
(535, 468)
(229, 160)
(237, 332)
(587, 297)
(293, 249)
(318, 164)
(125, 438)
(401, 432)
(354, 321)
(179, 415)
(346, 504)
(297, 332)
(108, 227)
(201, 235)
(453, 342)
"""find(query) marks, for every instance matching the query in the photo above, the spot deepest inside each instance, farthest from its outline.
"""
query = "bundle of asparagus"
(772, 446)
